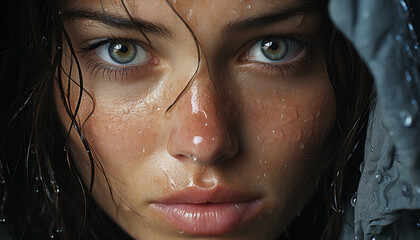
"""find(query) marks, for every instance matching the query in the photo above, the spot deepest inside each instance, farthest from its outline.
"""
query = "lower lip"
(208, 219)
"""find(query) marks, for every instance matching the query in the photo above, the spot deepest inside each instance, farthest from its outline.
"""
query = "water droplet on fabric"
(398, 38)
(408, 76)
(353, 200)
(407, 118)
(406, 190)
(361, 167)
(378, 178)
(404, 5)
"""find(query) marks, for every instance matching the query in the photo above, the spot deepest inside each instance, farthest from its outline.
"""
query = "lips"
(208, 212)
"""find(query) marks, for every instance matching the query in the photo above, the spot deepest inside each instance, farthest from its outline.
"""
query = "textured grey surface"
(389, 189)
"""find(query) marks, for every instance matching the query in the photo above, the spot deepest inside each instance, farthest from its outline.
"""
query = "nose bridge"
(201, 130)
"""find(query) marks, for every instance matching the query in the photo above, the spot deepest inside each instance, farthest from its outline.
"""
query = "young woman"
(178, 120)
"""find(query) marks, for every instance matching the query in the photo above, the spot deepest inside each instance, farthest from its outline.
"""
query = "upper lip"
(199, 196)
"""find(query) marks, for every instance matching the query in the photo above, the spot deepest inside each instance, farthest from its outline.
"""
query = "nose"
(200, 128)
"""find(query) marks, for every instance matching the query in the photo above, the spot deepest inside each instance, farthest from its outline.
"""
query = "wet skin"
(244, 123)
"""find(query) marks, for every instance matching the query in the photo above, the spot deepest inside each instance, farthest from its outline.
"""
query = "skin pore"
(244, 123)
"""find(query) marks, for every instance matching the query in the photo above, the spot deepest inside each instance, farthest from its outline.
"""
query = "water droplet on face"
(260, 161)
(406, 190)
(361, 167)
(273, 132)
(194, 158)
(190, 12)
(407, 118)
(197, 140)
(302, 146)
(248, 7)
(353, 200)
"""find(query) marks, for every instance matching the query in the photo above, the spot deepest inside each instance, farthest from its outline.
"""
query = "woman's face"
(232, 157)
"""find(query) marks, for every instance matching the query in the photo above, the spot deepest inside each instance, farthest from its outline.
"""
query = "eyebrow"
(118, 21)
(278, 15)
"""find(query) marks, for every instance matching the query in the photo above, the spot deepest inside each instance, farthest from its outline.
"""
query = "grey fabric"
(389, 189)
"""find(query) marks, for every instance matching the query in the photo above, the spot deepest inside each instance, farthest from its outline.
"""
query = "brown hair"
(43, 195)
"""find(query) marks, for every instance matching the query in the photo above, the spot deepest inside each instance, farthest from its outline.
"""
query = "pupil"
(274, 46)
(124, 49)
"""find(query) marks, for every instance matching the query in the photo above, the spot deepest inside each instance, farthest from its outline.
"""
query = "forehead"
(203, 13)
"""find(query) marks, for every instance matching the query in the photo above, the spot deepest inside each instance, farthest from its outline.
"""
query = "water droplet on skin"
(248, 7)
(260, 161)
(190, 12)
(407, 118)
(285, 165)
(302, 146)
(194, 158)
(265, 174)
(144, 150)
(353, 200)
(213, 139)
(406, 190)
(197, 140)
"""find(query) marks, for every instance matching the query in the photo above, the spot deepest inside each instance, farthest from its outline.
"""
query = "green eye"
(122, 52)
(274, 49)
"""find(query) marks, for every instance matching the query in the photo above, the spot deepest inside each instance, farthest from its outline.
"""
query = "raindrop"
(373, 238)
(407, 118)
(414, 104)
(408, 76)
(2, 219)
(57, 189)
(408, 50)
(410, 26)
(398, 38)
(378, 178)
(353, 200)
(418, 223)
(405, 7)
(406, 190)
(362, 167)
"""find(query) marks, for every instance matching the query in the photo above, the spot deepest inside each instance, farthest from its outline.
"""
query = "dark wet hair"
(42, 193)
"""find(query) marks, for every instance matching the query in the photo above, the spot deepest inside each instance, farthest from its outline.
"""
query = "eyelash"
(283, 68)
(288, 67)
(95, 66)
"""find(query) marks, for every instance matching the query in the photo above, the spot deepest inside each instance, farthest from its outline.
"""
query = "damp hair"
(42, 193)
